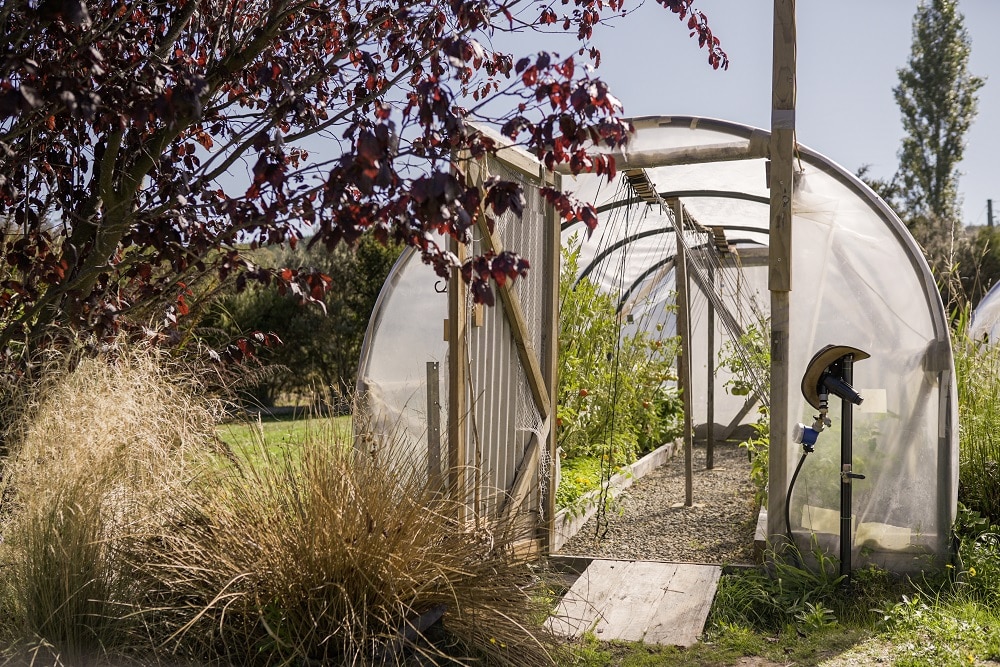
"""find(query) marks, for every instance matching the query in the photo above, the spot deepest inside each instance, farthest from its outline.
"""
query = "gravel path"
(649, 521)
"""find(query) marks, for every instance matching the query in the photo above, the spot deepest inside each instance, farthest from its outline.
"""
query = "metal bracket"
(846, 475)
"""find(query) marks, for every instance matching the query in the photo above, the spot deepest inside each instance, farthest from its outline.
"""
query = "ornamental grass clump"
(95, 453)
(329, 555)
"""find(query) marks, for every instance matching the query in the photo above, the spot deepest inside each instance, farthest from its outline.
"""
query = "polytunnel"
(985, 323)
(691, 199)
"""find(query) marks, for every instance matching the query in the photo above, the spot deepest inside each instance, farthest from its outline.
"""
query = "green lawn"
(277, 434)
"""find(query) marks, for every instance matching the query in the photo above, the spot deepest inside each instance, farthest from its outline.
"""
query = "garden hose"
(788, 504)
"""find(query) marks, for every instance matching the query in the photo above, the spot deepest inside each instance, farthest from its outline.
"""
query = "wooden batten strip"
(457, 390)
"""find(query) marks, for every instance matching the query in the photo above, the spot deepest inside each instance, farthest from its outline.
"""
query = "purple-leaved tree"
(123, 122)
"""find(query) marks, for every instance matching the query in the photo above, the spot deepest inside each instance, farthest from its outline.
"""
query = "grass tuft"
(977, 369)
(332, 557)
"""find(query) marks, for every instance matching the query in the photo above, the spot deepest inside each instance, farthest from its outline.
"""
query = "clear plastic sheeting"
(855, 284)
(405, 333)
(985, 323)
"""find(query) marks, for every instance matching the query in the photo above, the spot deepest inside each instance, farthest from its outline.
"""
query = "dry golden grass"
(328, 557)
(124, 537)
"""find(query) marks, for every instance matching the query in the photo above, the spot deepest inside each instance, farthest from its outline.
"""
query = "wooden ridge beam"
(756, 147)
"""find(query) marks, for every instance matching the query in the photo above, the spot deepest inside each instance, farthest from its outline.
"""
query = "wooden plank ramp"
(651, 602)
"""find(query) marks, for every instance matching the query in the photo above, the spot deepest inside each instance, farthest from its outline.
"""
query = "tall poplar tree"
(937, 98)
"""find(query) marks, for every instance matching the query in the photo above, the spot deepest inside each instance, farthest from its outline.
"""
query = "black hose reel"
(831, 371)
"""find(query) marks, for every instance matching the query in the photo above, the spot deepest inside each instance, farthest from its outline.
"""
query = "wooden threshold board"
(651, 602)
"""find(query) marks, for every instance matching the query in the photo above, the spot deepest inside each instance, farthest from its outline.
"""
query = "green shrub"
(321, 345)
(977, 569)
(580, 476)
(615, 393)
(979, 576)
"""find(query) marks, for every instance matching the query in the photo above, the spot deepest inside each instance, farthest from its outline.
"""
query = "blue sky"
(848, 55)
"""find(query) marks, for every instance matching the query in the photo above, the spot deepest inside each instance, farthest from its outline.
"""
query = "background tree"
(143, 141)
(320, 349)
(937, 99)
(886, 188)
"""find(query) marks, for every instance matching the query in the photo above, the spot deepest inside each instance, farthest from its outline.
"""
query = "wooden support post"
(684, 359)
(434, 424)
(458, 399)
(550, 354)
(710, 408)
(780, 264)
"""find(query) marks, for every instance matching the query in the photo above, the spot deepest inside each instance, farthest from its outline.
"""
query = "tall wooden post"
(550, 353)
(710, 408)
(684, 360)
(457, 388)
(779, 262)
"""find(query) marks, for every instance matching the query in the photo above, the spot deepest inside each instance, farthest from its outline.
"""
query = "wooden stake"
(550, 354)
(710, 419)
(434, 424)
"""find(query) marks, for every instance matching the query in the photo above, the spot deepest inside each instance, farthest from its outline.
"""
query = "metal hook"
(441, 290)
